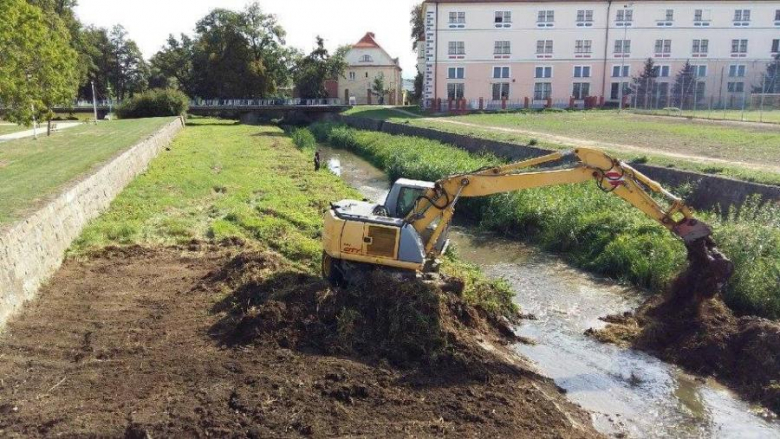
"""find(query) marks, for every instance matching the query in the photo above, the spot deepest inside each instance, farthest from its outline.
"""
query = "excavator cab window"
(406, 199)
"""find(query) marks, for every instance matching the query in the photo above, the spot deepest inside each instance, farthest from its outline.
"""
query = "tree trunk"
(48, 128)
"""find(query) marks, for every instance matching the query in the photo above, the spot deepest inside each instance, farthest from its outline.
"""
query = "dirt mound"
(707, 339)
(407, 323)
(178, 343)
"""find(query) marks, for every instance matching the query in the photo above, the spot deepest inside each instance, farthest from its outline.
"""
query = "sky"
(339, 22)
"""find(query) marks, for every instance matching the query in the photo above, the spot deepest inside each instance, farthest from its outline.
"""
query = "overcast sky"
(149, 22)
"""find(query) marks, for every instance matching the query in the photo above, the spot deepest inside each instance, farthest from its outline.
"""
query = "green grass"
(253, 184)
(768, 115)
(594, 231)
(382, 113)
(32, 170)
(731, 142)
(8, 129)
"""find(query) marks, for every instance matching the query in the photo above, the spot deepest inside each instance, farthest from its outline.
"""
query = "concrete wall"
(709, 191)
(32, 249)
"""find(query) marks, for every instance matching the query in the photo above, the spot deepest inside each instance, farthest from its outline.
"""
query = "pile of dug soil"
(229, 342)
(707, 339)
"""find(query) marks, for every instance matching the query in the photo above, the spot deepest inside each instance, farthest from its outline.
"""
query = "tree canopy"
(314, 69)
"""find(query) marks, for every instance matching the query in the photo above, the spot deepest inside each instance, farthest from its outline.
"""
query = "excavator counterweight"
(409, 231)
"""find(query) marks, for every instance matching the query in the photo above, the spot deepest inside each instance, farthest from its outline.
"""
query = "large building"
(366, 61)
(557, 50)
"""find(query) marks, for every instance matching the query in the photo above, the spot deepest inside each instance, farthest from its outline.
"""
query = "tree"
(644, 84)
(418, 24)
(770, 80)
(37, 63)
(128, 72)
(418, 87)
(684, 86)
(173, 66)
(313, 70)
(379, 89)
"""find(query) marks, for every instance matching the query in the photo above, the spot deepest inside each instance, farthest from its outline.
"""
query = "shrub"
(303, 138)
(154, 103)
(594, 231)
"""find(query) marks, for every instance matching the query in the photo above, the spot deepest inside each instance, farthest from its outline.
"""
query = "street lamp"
(623, 57)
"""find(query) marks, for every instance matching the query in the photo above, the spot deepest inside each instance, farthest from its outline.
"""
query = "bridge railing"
(238, 103)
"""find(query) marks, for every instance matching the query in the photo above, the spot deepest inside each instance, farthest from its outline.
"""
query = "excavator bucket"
(707, 274)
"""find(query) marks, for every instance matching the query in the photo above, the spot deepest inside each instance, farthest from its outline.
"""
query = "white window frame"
(545, 18)
(731, 86)
(545, 71)
(460, 17)
(502, 48)
(624, 17)
(459, 48)
(352, 76)
(580, 84)
(546, 91)
(702, 17)
(741, 46)
(505, 18)
(697, 70)
(700, 46)
(665, 47)
(583, 47)
(584, 17)
(547, 47)
(502, 70)
(456, 86)
(662, 70)
(626, 70)
(583, 69)
(625, 47)
(737, 70)
(775, 45)
(502, 85)
(461, 70)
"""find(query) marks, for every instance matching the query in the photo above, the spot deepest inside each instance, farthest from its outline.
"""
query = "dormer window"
(503, 19)
(624, 17)
(742, 17)
(366, 58)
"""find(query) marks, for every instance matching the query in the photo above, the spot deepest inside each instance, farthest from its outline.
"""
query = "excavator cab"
(403, 196)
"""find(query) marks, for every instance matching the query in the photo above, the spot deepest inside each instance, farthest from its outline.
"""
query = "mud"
(214, 341)
(707, 339)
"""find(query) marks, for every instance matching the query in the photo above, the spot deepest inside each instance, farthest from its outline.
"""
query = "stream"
(627, 392)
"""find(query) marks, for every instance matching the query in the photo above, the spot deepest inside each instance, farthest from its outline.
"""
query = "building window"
(502, 48)
(739, 46)
(775, 46)
(699, 71)
(701, 17)
(663, 47)
(701, 47)
(456, 73)
(616, 71)
(580, 90)
(583, 46)
(500, 91)
(736, 87)
(622, 47)
(661, 71)
(669, 15)
(500, 72)
(542, 90)
(457, 17)
(545, 18)
(457, 48)
(544, 46)
(777, 15)
(543, 72)
(585, 17)
(737, 71)
(615, 90)
(582, 71)
(455, 91)
(503, 18)
(352, 76)
(366, 58)
(667, 18)
(624, 17)
(741, 16)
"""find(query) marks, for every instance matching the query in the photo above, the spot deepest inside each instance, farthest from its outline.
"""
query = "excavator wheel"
(331, 270)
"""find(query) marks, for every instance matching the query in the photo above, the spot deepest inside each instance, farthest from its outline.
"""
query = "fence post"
(763, 93)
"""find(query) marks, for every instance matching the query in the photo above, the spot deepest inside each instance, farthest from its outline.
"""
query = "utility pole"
(94, 101)
(623, 58)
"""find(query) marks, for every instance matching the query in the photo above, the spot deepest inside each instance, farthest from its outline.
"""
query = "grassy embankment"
(31, 170)
(658, 135)
(252, 184)
(767, 116)
(595, 231)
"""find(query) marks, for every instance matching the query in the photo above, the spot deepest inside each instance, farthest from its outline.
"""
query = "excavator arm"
(610, 175)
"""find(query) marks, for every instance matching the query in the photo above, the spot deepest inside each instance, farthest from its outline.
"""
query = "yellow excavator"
(409, 231)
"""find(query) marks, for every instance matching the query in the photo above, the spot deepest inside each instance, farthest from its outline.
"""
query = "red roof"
(368, 41)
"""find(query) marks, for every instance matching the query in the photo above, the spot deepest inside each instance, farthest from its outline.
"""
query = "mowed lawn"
(32, 170)
(745, 151)
(767, 116)
(7, 128)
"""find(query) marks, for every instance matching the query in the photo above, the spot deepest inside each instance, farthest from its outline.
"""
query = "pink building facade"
(536, 52)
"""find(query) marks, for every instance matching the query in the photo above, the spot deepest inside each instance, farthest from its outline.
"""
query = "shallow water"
(626, 391)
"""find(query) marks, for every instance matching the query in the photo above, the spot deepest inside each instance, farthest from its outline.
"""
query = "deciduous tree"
(313, 70)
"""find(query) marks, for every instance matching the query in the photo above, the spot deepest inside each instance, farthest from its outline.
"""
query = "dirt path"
(583, 143)
(125, 343)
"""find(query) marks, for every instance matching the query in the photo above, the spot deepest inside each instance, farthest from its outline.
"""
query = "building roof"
(369, 42)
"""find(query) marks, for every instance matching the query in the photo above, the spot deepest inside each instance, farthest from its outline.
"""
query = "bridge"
(248, 110)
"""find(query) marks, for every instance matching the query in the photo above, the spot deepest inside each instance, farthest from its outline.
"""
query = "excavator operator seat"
(402, 196)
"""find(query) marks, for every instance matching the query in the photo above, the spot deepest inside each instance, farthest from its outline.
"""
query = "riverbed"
(626, 391)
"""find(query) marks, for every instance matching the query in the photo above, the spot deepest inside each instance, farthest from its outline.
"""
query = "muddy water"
(626, 391)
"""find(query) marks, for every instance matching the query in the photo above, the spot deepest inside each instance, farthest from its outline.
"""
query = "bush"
(594, 231)
(303, 138)
(154, 103)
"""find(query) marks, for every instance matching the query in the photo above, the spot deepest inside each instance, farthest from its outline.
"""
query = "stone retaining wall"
(32, 249)
(709, 191)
